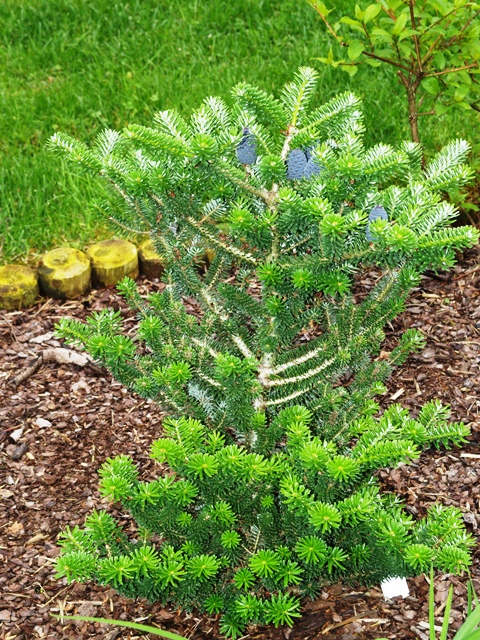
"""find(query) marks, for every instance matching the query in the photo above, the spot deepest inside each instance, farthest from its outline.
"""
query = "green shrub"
(269, 455)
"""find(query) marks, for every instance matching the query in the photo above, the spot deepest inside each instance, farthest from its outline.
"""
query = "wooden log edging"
(18, 287)
(112, 260)
(67, 273)
(64, 273)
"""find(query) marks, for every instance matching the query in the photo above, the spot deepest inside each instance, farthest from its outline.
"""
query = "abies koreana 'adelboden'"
(274, 435)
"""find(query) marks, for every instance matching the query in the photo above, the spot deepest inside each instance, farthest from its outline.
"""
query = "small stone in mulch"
(19, 451)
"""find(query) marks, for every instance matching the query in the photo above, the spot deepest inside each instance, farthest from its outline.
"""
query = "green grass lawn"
(79, 66)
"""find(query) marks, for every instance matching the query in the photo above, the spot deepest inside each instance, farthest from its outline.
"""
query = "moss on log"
(150, 262)
(18, 286)
(112, 260)
(64, 273)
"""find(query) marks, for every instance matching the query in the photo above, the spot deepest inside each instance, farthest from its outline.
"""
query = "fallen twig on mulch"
(58, 355)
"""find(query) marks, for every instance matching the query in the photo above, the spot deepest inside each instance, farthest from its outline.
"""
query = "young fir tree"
(269, 454)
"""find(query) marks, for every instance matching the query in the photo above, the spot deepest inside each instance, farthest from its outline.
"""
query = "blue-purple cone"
(247, 149)
(296, 163)
(375, 214)
(312, 168)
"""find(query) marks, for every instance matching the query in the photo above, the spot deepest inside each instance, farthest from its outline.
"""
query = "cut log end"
(113, 260)
(64, 273)
(18, 287)
(150, 262)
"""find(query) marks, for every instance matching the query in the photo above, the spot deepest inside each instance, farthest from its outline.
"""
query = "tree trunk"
(413, 111)
(411, 84)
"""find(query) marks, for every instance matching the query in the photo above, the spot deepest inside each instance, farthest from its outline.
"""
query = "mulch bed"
(48, 470)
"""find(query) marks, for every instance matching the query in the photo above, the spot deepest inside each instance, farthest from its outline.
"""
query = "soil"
(60, 424)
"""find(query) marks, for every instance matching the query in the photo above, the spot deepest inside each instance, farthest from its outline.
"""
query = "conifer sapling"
(274, 435)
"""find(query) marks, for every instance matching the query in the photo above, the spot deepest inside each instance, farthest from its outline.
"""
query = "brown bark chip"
(69, 418)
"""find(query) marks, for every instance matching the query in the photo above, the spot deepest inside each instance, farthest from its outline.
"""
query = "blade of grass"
(431, 606)
(469, 626)
(472, 597)
(469, 597)
(124, 623)
(446, 615)
(472, 636)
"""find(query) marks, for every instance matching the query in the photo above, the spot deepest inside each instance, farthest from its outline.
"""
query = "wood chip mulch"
(60, 424)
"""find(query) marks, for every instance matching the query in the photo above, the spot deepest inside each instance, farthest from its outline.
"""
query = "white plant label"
(394, 587)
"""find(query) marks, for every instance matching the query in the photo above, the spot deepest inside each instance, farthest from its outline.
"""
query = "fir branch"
(304, 376)
(211, 237)
(314, 353)
(285, 399)
(205, 346)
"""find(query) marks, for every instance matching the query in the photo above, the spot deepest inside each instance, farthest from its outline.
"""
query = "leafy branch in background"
(433, 45)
